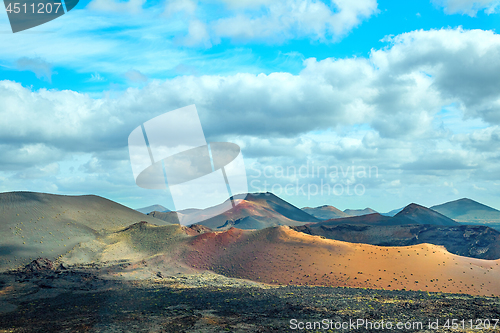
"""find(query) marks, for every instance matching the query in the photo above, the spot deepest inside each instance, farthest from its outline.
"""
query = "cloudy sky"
(405, 93)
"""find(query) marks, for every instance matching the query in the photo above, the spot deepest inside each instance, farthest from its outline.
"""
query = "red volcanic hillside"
(281, 255)
(256, 211)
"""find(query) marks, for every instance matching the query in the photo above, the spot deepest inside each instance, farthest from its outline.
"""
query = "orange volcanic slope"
(282, 256)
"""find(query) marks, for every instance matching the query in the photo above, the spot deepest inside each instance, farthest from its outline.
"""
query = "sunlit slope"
(38, 224)
(474, 241)
(283, 256)
(280, 255)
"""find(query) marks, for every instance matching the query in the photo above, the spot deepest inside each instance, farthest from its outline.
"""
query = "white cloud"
(468, 7)
(39, 172)
(87, 46)
(282, 20)
(379, 110)
(398, 91)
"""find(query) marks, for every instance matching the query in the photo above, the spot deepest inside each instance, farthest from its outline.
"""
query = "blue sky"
(408, 88)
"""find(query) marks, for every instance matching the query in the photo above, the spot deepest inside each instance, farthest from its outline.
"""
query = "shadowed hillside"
(416, 214)
(38, 224)
(411, 214)
(393, 212)
(470, 212)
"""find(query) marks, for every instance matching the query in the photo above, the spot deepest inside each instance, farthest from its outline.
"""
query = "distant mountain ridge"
(411, 214)
(415, 224)
(468, 211)
(393, 212)
(325, 212)
(170, 217)
(416, 214)
(359, 212)
(152, 208)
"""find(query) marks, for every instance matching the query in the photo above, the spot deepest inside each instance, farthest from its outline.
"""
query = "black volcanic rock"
(141, 226)
(38, 265)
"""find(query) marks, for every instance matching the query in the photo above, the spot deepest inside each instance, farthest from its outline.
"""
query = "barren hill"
(149, 209)
(256, 211)
(416, 214)
(38, 224)
(413, 225)
(411, 214)
(469, 211)
(359, 212)
(281, 255)
(325, 212)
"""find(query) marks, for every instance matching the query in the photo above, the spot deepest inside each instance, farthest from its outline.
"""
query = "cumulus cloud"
(468, 7)
(39, 172)
(19, 156)
(484, 140)
(280, 20)
(460, 64)
(397, 91)
(380, 110)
